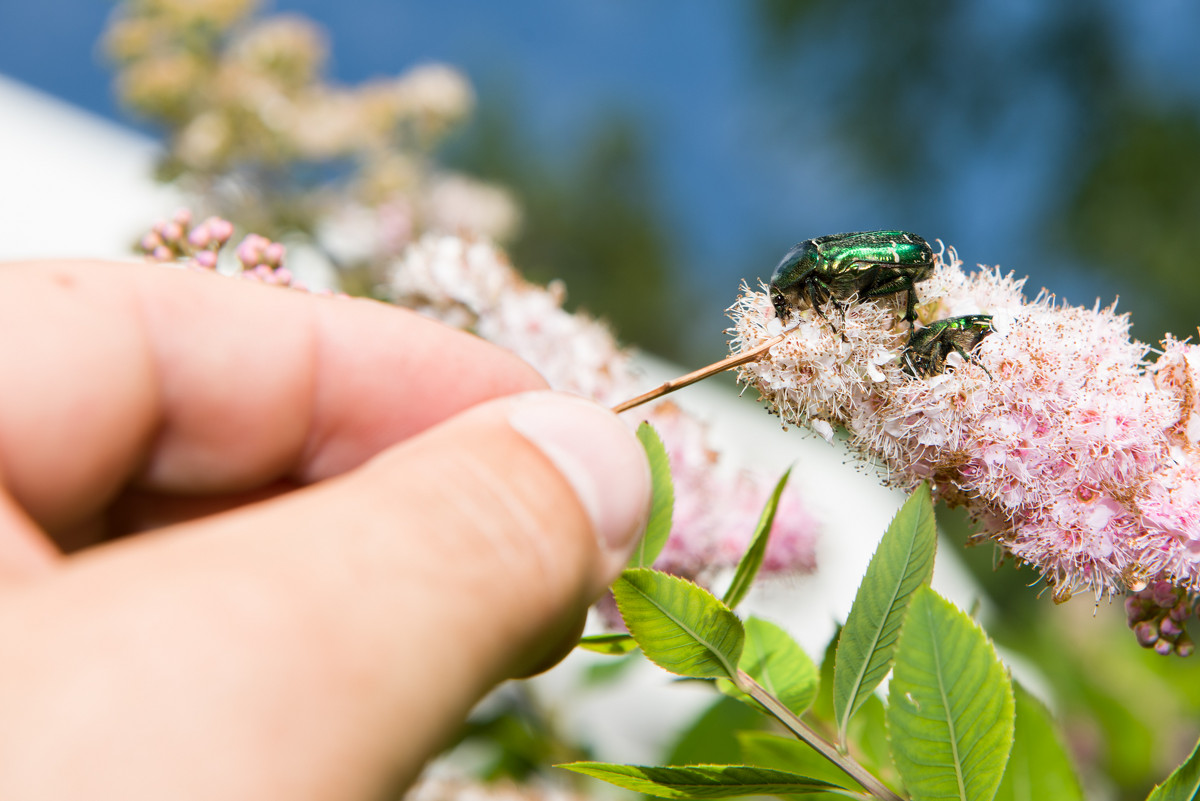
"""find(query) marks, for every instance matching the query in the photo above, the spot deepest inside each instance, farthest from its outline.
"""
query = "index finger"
(182, 382)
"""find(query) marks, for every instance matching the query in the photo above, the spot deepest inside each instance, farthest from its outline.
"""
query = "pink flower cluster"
(1070, 449)
(470, 284)
(199, 247)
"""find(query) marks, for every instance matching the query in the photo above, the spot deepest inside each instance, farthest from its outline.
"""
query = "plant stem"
(802, 730)
(699, 375)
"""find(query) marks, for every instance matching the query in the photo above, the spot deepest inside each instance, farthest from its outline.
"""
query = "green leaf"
(1183, 784)
(950, 712)
(607, 671)
(701, 781)
(611, 644)
(902, 563)
(778, 663)
(658, 527)
(679, 626)
(752, 560)
(868, 734)
(822, 708)
(710, 739)
(1039, 766)
(767, 750)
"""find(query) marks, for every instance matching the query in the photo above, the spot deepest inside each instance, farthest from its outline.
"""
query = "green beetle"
(928, 348)
(871, 264)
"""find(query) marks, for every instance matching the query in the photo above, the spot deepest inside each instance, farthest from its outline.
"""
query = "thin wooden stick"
(701, 374)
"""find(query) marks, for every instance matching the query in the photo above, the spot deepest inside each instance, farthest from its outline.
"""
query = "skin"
(258, 544)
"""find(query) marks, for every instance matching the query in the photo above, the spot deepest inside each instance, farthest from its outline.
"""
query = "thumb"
(324, 643)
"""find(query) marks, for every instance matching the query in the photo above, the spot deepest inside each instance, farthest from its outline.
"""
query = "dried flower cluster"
(470, 284)
(1070, 450)
(258, 135)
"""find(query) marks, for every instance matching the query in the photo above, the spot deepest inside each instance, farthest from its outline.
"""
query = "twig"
(699, 375)
(814, 740)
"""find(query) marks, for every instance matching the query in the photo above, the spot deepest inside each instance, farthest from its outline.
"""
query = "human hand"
(359, 528)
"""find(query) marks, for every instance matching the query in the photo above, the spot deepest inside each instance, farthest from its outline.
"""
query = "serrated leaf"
(1038, 766)
(902, 563)
(767, 750)
(950, 712)
(679, 626)
(1183, 784)
(778, 664)
(752, 560)
(658, 527)
(701, 781)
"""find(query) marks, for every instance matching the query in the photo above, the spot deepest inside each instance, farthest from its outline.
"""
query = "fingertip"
(601, 459)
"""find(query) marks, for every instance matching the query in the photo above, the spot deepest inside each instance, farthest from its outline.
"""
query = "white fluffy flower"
(1071, 451)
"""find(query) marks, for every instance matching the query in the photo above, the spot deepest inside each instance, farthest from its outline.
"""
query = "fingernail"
(598, 455)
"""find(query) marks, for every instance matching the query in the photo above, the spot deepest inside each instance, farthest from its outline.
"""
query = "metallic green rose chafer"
(929, 347)
(871, 264)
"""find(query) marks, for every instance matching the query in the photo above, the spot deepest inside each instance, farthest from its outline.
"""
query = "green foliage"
(773, 659)
(822, 708)
(700, 781)
(902, 563)
(714, 737)
(752, 560)
(1038, 766)
(609, 670)
(948, 729)
(611, 644)
(658, 527)
(950, 711)
(785, 753)
(679, 626)
(1183, 784)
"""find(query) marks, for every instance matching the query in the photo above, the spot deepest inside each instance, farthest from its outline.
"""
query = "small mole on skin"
(65, 280)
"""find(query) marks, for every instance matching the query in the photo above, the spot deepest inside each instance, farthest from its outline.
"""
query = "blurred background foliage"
(660, 154)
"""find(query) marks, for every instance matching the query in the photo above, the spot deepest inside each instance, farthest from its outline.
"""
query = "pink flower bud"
(250, 251)
(273, 254)
(199, 237)
(1146, 633)
(221, 230)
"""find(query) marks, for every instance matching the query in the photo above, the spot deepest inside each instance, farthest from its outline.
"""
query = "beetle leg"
(937, 360)
(899, 283)
(910, 366)
(814, 288)
(970, 358)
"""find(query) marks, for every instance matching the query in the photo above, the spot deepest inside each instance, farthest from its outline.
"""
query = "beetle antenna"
(728, 363)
